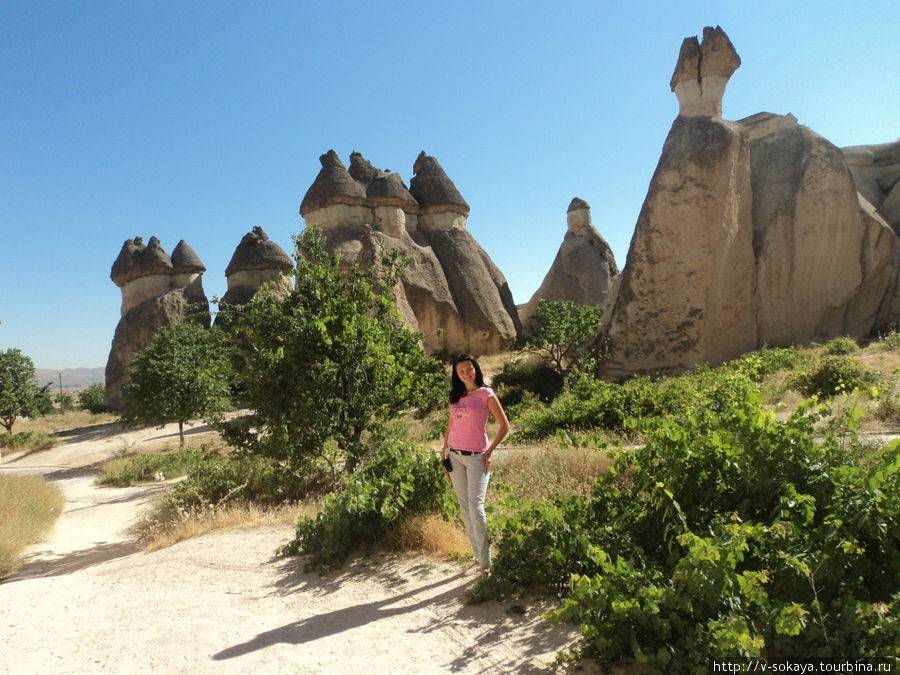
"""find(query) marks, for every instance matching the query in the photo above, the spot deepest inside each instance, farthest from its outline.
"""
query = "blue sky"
(200, 120)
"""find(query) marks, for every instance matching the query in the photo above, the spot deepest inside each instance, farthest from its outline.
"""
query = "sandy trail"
(89, 600)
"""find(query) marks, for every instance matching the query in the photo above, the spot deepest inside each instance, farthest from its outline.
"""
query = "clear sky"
(200, 120)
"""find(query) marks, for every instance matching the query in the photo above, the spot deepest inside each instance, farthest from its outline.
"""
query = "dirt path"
(88, 600)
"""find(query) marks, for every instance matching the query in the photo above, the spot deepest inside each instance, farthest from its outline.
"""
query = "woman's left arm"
(497, 411)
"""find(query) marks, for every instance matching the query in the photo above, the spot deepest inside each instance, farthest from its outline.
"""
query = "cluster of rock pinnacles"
(755, 232)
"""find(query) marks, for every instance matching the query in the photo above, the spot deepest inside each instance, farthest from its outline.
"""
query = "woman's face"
(466, 372)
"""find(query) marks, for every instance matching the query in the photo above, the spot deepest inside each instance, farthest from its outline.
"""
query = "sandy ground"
(88, 600)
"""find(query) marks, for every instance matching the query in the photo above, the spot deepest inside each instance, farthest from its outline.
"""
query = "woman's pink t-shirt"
(469, 428)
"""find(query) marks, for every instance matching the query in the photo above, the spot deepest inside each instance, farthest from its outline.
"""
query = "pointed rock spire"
(333, 185)
(185, 260)
(433, 189)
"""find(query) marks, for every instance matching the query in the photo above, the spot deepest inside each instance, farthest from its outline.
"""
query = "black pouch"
(448, 465)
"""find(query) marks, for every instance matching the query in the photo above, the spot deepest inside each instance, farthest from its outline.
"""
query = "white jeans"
(470, 482)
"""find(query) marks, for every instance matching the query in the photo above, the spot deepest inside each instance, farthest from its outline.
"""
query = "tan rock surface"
(583, 269)
(686, 293)
(823, 269)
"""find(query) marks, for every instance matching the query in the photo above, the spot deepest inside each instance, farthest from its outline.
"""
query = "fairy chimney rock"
(334, 197)
(441, 206)
(583, 269)
(256, 260)
(392, 206)
(156, 291)
(702, 73)
(141, 271)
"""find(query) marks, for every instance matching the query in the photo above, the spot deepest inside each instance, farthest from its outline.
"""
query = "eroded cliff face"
(686, 295)
(451, 291)
(752, 233)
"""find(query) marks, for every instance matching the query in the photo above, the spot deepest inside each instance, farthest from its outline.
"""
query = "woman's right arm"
(447, 435)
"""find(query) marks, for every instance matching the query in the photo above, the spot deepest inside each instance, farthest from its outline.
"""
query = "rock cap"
(185, 259)
(333, 185)
(137, 260)
(433, 189)
(257, 252)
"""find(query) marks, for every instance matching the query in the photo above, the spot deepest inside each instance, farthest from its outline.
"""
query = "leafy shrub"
(841, 345)
(889, 340)
(526, 375)
(594, 404)
(400, 481)
(30, 440)
(65, 401)
(831, 376)
(729, 532)
(766, 361)
(214, 480)
(147, 466)
(92, 398)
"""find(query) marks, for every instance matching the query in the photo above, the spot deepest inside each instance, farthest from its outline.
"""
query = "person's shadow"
(331, 623)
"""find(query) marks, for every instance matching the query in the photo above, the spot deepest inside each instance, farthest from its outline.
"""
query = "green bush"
(593, 404)
(147, 466)
(728, 532)
(529, 374)
(214, 480)
(400, 481)
(841, 345)
(890, 340)
(93, 398)
(29, 440)
(833, 375)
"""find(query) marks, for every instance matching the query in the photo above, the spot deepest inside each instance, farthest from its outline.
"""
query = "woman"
(466, 444)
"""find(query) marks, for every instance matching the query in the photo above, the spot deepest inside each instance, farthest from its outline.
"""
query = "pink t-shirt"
(469, 428)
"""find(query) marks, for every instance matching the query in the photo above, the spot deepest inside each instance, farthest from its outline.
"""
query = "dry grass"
(62, 421)
(430, 535)
(166, 526)
(539, 471)
(29, 507)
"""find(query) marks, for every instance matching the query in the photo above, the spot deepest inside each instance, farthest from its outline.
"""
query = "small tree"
(20, 396)
(328, 362)
(92, 398)
(183, 374)
(560, 327)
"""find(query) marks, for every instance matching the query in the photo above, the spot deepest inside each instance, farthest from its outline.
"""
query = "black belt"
(467, 453)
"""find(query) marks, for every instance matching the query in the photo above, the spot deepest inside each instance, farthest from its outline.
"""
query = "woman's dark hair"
(457, 386)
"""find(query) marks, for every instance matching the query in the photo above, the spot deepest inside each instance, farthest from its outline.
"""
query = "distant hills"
(73, 379)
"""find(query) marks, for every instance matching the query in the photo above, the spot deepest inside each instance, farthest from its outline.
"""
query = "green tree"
(93, 398)
(20, 396)
(560, 327)
(328, 362)
(183, 374)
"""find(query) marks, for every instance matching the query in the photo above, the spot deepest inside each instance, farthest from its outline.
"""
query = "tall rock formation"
(486, 308)
(256, 261)
(686, 294)
(583, 269)
(753, 232)
(363, 209)
(156, 290)
(824, 267)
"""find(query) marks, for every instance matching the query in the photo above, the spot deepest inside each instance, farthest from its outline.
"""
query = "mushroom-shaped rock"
(257, 252)
(333, 185)
(702, 73)
(185, 260)
(433, 189)
(137, 260)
